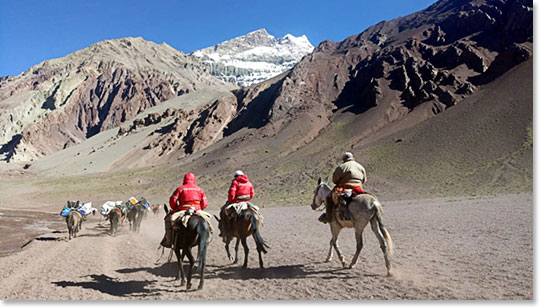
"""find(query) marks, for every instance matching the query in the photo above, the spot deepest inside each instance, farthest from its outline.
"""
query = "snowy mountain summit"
(254, 57)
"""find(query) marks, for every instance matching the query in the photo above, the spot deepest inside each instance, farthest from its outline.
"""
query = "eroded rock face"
(437, 56)
(64, 101)
(197, 129)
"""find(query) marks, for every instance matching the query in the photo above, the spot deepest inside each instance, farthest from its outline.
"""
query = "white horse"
(364, 209)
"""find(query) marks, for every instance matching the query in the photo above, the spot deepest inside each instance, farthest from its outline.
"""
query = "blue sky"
(32, 31)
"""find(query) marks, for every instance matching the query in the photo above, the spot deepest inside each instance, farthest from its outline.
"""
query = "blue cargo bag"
(65, 211)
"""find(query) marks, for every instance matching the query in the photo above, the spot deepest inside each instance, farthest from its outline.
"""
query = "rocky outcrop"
(63, 101)
(194, 130)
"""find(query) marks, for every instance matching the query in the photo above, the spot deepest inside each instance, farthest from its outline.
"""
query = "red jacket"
(240, 187)
(188, 195)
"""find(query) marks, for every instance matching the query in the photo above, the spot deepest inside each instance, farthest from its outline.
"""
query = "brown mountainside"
(64, 101)
(431, 60)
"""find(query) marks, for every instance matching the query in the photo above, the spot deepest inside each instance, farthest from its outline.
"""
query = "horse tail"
(261, 245)
(386, 234)
(204, 233)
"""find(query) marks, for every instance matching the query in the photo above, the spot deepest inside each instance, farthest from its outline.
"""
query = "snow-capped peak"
(254, 57)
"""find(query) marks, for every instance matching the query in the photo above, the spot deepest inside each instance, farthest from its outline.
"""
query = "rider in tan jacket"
(348, 175)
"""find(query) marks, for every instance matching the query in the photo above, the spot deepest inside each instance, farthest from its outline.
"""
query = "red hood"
(189, 178)
(242, 179)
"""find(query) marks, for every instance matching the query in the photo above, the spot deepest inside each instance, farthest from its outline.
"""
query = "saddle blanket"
(239, 207)
(185, 218)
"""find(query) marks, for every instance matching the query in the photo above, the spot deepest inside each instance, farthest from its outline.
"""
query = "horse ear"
(319, 181)
(217, 218)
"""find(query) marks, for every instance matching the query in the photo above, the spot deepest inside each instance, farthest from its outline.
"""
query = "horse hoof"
(328, 260)
(244, 266)
(200, 287)
(188, 286)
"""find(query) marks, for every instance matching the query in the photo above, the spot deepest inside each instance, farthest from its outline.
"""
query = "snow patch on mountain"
(254, 57)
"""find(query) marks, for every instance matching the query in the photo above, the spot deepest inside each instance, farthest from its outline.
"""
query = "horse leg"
(359, 244)
(246, 252)
(191, 264)
(180, 258)
(236, 251)
(336, 229)
(330, 251)
(383, 244)
(359, 225)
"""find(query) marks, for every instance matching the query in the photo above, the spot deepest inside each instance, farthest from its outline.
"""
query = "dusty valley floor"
(480, 248)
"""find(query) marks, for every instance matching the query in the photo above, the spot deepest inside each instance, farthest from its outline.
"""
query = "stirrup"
(323, 218)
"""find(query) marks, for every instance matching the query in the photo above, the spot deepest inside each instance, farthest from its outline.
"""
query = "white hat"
(238, 173)
(347, 156)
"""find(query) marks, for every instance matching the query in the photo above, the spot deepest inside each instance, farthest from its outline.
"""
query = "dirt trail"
(444, 249)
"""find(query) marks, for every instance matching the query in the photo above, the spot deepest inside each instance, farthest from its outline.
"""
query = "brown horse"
(115, 216)
(196, 232)
(247, 224)
(155, 209)
(74, 222)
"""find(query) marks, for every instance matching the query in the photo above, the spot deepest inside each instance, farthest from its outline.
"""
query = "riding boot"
(167, 238)
(329, 209)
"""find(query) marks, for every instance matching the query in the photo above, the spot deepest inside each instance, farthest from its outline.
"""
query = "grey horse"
(364, 209)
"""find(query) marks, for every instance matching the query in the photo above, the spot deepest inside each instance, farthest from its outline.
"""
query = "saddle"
(185, 215)
(345, 198)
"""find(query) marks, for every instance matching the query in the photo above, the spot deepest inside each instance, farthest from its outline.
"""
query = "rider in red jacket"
(188, 195)
(185, 196)
(241, 189)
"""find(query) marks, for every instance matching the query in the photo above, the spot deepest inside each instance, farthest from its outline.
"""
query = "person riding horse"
(185, 197)
(347, 176)
(241, 190)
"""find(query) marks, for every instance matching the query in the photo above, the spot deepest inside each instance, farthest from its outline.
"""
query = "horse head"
(319, 194)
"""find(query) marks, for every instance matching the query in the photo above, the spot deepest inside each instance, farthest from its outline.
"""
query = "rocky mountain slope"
(432, 104)
(423, 63)
(65, 101)
(254, 57)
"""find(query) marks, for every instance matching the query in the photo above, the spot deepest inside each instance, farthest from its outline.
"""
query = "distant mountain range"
(438, 102)
(254, 57)
(75, 97)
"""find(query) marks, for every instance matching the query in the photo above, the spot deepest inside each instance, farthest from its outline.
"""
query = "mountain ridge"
(71, 98)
